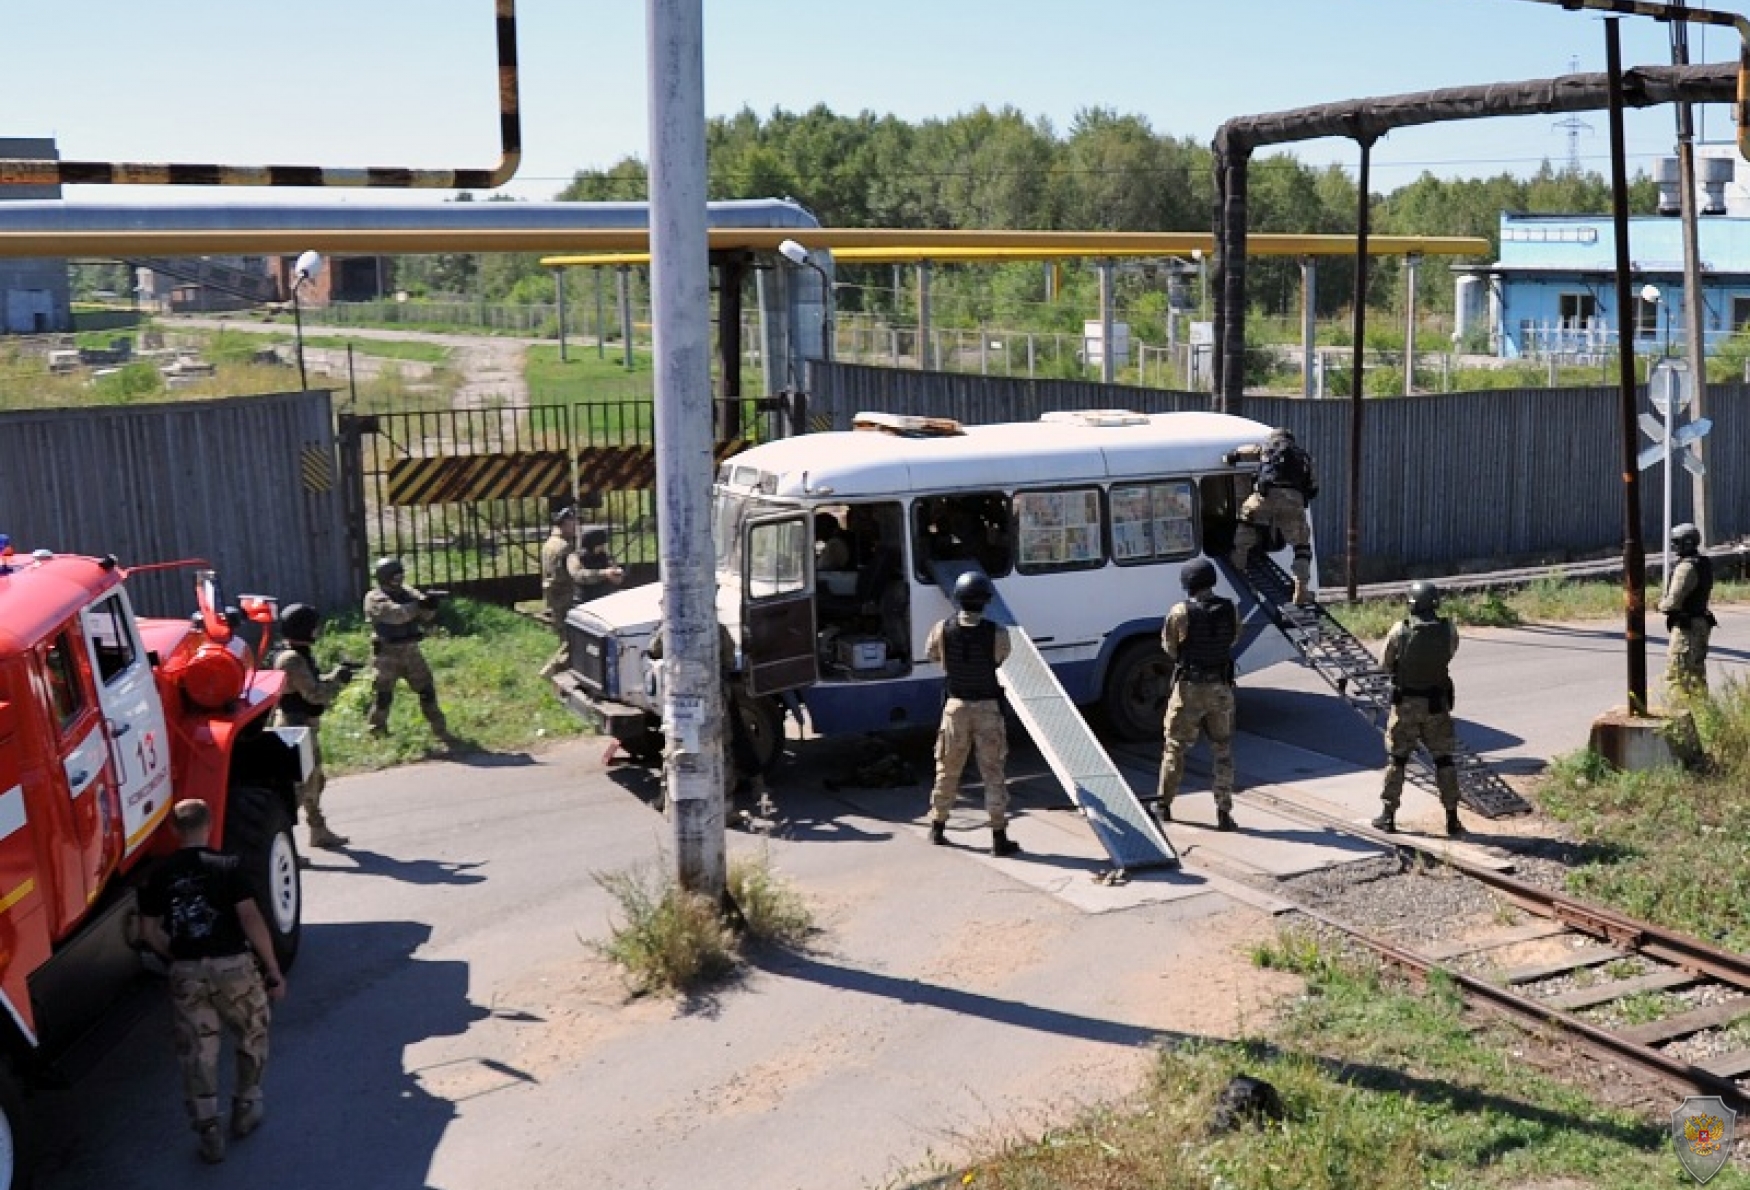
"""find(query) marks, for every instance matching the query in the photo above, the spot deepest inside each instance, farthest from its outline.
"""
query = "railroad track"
(1605, 958)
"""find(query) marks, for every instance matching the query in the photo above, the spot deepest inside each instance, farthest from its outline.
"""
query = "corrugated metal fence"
(1448, 481)
(250, 484)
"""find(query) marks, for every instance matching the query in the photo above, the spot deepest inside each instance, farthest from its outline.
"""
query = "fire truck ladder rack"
(1127, 831)
(1354, 673)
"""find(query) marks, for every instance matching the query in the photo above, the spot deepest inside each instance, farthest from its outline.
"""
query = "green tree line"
(1000, 169)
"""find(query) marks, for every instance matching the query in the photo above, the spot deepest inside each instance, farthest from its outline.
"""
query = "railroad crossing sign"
(1669, 390)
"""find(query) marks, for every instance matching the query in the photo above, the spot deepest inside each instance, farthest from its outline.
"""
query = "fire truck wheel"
(259, 832)
(1135, 700)
(15, 1163)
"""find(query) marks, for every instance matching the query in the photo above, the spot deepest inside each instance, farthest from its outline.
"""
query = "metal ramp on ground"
(1354, 673)
(1125, 828)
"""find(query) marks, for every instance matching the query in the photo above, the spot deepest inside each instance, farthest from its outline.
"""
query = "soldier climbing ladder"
(1354, 673)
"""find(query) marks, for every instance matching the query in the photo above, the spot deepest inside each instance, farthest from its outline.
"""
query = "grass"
(1552, 599)
(485, 660)
(1384, 1088)
(670, 940)
(1668, 846)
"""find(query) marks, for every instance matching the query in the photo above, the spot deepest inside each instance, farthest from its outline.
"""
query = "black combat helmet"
(1198, 575)
(299, 622)
(1685, 538)
(972, 591)
(1424, 596)
(389, 570)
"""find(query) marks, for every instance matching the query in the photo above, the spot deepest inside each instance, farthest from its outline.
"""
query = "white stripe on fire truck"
(11, 811)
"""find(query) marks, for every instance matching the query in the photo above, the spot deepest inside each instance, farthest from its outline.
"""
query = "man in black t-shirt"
(198, 914)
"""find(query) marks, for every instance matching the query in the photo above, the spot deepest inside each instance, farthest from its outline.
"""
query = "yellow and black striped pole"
(38, 172)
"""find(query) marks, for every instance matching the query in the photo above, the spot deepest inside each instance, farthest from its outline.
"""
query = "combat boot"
(323, 837)
(939, 833)
(212, 1141)
(1164, 811)
(1224, 821)
(1387, 822)
(1303, 595)
(1001, 844)
(246, 1115)
(1454, 828)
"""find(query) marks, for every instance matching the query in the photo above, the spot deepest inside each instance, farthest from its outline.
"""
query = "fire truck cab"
(106, 720)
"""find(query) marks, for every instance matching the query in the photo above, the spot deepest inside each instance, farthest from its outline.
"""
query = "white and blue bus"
(826, 584)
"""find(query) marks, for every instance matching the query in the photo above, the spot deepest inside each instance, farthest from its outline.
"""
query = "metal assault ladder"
(1126, 829)
(1353, 672)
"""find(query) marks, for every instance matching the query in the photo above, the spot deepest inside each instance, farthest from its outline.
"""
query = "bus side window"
(964, 528)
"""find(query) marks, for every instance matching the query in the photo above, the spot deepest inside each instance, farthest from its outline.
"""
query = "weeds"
(669, 939)
(673, 940)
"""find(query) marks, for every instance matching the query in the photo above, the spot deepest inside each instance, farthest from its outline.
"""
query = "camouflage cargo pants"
(1284, 510)
(398, 663)
(310, 789)
(972, 727)
(1686, 660)
(1412, 723)
(209, 998)
(1196, 708)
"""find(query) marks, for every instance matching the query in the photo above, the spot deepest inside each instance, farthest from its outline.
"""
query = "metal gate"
(465, 496)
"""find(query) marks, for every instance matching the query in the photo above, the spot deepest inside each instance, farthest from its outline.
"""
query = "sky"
(413, 83)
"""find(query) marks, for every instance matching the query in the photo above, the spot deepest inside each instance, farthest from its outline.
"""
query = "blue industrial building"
(1552, 293)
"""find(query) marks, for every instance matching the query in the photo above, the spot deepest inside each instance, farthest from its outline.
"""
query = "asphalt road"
(449, 1026)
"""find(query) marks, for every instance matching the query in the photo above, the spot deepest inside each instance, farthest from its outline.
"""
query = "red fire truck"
(106, 720)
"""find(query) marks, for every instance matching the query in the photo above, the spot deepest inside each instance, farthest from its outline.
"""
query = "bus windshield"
(729, 512)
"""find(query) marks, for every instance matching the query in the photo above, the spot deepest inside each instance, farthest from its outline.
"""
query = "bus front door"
(777, 603)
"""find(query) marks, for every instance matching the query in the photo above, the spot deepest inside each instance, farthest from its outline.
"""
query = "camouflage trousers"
(311, 787)
(972, 727)
(1284, 510)
(397, 663)
(209, 998)
(1196, 708)
(1411, 723)
(1686, 660)
(562, 656)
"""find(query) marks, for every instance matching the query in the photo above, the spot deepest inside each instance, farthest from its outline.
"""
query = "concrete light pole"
(692, 702)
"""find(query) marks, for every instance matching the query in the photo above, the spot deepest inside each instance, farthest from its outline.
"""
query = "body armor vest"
(1694, 605)
(396, 634)
(293, 703)
(1424, 657)
(1286, 466)
(969, 657)
(1211, 627)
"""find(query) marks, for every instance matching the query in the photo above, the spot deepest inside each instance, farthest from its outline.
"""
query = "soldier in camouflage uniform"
(398, 614)
(198, 914)
(1687, 618)
(307, 694)
(970, 649)
(559, 568)
(1198, 638)
(1418, 656)
(1284, 487)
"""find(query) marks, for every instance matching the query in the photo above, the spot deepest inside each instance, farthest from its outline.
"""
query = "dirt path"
(489, 368)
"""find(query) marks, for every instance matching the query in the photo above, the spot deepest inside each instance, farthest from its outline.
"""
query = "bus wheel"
(1135, 699)
(764, 720)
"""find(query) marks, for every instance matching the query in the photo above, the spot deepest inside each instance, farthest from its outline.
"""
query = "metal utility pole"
(692, 702)
(1634, 561)
(1108, 349)
(1353, 559)
(1694, 298)
(1410, 263)
(559, 301)
(624, 280)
